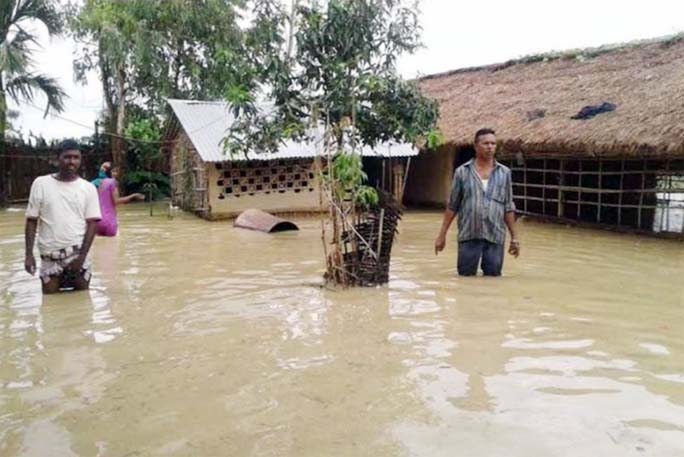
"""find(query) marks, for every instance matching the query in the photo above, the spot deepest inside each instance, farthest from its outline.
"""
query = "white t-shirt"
(484, 182)
(61, 208)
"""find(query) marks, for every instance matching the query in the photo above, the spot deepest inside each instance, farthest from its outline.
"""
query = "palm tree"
(17, 79)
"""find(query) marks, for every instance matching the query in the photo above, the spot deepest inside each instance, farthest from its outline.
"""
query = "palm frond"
(15, 54)
(25, 87)
(44, 11)
(6, 15)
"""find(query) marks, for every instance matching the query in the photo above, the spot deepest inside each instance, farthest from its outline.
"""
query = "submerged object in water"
(255, 219)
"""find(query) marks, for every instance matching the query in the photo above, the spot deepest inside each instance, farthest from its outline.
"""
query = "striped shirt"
(481, 213)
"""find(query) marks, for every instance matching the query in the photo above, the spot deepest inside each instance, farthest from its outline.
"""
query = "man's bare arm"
(514, 249)
(30, 239)
(91, 229)
(440, 242)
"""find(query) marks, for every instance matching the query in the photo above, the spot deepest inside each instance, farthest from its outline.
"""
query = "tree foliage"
(339, 71)
(144, 135)
(331, 68)
(17, 77)
(334, 66)
(148, 50)
(168, 48)
(109, 36)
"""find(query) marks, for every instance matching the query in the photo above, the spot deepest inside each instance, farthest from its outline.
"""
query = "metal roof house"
(207, 180)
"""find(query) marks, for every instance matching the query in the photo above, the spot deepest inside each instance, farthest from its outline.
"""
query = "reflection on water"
(200, 339)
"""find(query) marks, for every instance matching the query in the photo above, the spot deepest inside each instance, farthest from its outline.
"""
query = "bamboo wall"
(188, 177)
(626, 193)
(20, 165)
(645, 195)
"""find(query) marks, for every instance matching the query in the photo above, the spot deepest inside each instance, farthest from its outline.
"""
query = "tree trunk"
(4, 177)
(118, 143)
(106, 78)
(3, 110)
(176, 70)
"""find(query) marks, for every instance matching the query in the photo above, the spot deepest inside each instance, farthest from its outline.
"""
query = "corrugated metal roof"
(207, 124)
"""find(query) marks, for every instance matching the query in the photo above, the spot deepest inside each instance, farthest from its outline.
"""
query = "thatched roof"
(645, 80)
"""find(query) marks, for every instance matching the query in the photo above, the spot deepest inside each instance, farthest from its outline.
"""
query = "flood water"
(198, 339)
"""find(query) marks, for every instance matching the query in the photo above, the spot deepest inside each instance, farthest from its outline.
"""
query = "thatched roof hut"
(592, 136)
(530, 101)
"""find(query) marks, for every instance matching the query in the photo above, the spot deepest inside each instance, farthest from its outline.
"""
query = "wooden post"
(622, 191)
(600, 187)
(579, 193)
(641, 193)
(544, 187)
(390, 176)
(406, 173)
(668, 196)
(398, 174)
(682, 227)
(9, 184)
(561, 183)
(382, 220)
(525, 186)
(662, 211)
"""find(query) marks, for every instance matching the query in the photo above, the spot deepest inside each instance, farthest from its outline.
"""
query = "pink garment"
(107, 226)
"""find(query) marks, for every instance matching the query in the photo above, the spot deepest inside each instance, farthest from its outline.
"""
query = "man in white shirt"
(64, 209)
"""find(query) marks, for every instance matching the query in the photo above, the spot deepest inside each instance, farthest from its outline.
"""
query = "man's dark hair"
(483, 132)
(68, 145)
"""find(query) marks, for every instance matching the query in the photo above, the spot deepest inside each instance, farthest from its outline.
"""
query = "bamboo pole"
(591, 190)
(605, 173)
(615, 205)
(390, 188)
(525, 185)
(561, 183)
(667, 197)
(543, 188)
(352, 208)
(319, 172)
(353, 229)
(579, 194)
(682, 228)
(382, 220)
(406, 173)
(641, 194)
(600, 187)
(622, 176)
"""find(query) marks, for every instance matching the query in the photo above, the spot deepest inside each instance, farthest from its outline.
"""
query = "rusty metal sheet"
(255, 219)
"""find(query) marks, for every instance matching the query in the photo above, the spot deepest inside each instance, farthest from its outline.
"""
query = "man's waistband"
(61, 253)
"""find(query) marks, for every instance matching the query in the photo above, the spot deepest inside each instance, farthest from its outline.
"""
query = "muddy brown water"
(198, 339)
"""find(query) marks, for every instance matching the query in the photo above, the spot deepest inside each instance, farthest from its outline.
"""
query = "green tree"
(337, 64)
(17, 78)
(191, 51)
(108, 33)
(336, 67)
(148, 50)
(144, 135)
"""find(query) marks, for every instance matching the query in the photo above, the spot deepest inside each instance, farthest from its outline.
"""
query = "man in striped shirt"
(482, 197)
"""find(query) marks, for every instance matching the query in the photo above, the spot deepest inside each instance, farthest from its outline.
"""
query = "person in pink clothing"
(108, 192)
